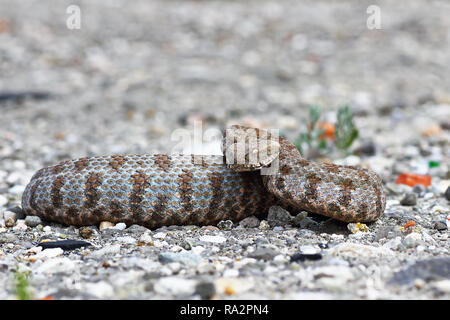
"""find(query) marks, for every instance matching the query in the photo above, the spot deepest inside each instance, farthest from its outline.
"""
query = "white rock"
(126, 239)
(175, 286)
(412, 240)
(359, 250)
(213, 239)
(108, 250)
(146, 238)
(120, 226)
(20, 225)
(47, 229)
(442, 285)
(56, 265)
(160, 235)
(49, 253)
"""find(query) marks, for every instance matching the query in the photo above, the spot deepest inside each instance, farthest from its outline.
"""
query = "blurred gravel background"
(138, 70)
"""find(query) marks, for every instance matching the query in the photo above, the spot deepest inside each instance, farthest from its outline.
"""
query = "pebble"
(32, 221)
(107, 250)
(105, 225)
(412, 240)
(278, 216)
(225, 225)
(88, 232)
(146, 238)
(184, 257)
(440, 225)
(49, 253)
(205, 289)
(250, 222)
(263, 254)
(410, 199)
(10, 218)
(297, 220)
(101, 289)
(447, 194)
(120, 226)
(213, 239)
(175, 286)
(419, 190)
(264, 225)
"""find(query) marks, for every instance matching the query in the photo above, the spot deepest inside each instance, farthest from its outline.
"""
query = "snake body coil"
(157, 190)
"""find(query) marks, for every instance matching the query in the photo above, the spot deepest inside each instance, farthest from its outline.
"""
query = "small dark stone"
(206, 290)
(419, 190)
(368, 148)
(323, 245)
(305, 256)
(64, 244)
(410, 199)
(439, 225)
(447, 194)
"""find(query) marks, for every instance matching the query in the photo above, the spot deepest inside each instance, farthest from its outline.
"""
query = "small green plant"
(22, 286)
(343, 132)
(311, 138)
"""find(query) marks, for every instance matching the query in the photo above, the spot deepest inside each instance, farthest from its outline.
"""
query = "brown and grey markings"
(139, 184)
(81, 164)
(186, 191)
(91, 192)
(116, 162)
(163, 161)
(56, 194)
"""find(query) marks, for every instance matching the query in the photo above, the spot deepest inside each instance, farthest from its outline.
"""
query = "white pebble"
(56, 265)
(145, 238)
(126, 239)
(175, 286)
(49, 253)
(213, 239)
(100, 289)
(160, 235)
(47, 229)
(231, 273)
(120, 226)
(105, 225)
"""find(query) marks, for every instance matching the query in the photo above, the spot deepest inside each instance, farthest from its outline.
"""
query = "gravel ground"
(136, 72)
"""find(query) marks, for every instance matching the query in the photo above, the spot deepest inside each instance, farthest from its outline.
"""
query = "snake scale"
(154, 190)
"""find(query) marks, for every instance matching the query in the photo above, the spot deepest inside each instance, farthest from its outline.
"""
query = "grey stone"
(296, 221)
(263, 254)
(249, 222)
(32, 221)
(430, 269)
(205, 290)
(278, 216)
(440, 225)
(410, 199)
(187, 258)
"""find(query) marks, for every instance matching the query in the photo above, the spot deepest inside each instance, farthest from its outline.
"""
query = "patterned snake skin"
(156, 190)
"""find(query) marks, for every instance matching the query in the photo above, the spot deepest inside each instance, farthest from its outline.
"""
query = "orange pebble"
(328, 129)
(410, 223)
(229, 290)
(47, 298)
(411, 179)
